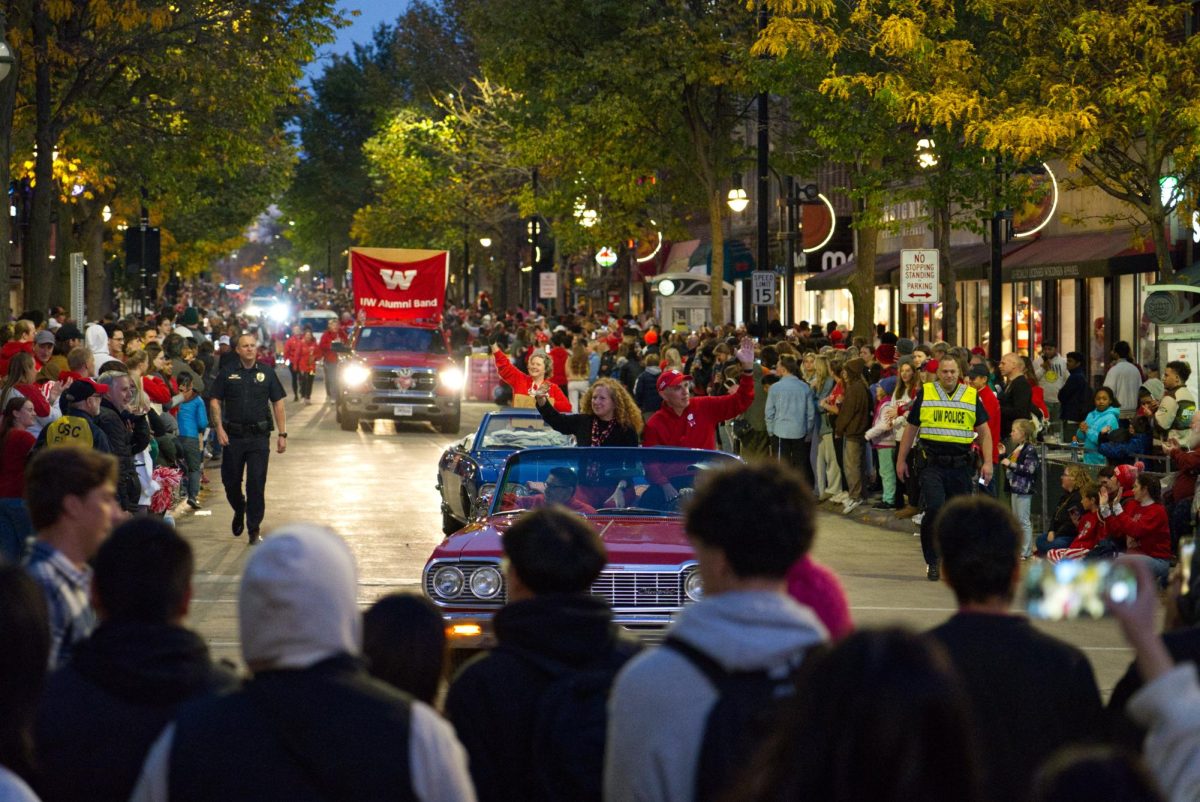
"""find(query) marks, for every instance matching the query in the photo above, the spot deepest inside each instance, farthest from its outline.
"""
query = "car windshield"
(401, 338)
(318, 323)
(608, 481)
(520, 431)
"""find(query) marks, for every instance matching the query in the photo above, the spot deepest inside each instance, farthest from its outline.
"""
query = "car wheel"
(450, 425)
(348, 422)
(450, 524)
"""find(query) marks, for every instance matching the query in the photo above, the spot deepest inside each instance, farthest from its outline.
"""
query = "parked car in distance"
(398, 371)
(651, 573)
(473, 463)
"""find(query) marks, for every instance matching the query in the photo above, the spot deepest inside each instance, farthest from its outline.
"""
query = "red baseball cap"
(670, 378)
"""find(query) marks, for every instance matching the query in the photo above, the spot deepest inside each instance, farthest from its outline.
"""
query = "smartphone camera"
(1077, 588)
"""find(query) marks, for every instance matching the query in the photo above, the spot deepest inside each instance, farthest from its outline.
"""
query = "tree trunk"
(941, 236)
(862, 283)
(37, 276)
(1162, 249)
(716, 278)
(97, 281)
(8, 96)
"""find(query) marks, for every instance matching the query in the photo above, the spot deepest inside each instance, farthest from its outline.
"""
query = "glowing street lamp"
(926, 154)
(486, 242)
(737, 199)
(106, 214)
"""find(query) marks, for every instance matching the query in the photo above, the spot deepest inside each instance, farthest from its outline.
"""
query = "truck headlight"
(279, 312)
(486, 582)
(448, 582)
(452, 379)
(355, 375)
(693, 586)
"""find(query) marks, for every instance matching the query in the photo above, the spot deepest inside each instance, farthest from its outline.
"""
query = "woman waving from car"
(608, 415)
(525, 385)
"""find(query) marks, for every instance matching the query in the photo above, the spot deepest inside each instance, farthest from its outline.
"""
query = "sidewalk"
(866, 513)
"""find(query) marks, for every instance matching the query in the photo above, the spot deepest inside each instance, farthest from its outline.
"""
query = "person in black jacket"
(1016, 402)
(608, 416)
(100, 713)
(1031, 694)
(551, 628)
(1075, 397)
(128, 435)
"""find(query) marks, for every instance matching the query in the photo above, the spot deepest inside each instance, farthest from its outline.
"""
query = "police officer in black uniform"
(241, 402)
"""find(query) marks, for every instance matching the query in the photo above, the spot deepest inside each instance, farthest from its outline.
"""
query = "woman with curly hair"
(608, 415)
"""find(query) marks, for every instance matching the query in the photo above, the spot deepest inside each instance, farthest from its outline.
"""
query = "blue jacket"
(791, 409)
(1097, 420)
(192, 419)
(1125, 453)
(1074, 396)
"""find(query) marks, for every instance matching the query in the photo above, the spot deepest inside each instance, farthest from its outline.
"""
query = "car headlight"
(279, 312)
(693, 586)
(486, 582)
(452, 379)
(354, 374)
(448, 582)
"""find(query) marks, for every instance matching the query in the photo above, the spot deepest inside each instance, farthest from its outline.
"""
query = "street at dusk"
(617, 401)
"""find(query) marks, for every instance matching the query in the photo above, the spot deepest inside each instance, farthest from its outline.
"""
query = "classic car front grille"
(623, 590)
(633, 589)
(423, 379)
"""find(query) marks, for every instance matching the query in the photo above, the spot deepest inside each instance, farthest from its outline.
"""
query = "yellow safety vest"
(948, 419)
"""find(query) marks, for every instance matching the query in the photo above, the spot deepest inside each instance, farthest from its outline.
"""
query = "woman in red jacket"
(16, 442)
(1144, 525)
(306, 362)
(522, 384)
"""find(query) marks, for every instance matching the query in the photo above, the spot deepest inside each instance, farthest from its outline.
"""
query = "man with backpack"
(532, 714)
(80, 404)
(683, 716)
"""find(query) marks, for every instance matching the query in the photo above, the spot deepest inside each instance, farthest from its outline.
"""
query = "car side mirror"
(340, 347)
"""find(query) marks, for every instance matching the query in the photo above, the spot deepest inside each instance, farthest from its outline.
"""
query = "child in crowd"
(882, 436)
(1022, 466)
(193, 420)
(1101, 420)
(1091, 529)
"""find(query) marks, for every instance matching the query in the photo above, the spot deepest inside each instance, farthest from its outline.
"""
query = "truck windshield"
(399, 338)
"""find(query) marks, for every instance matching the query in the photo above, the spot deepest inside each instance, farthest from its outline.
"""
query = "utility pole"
(764, 186)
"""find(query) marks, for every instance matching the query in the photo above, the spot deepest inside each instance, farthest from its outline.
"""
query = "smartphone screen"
(1075, 588)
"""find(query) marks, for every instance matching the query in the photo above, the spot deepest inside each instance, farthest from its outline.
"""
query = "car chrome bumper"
(473, 630)
(382, 404)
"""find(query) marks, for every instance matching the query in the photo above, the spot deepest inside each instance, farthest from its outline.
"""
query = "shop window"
(1130, 314)
(1097, 347)
(1068, 314)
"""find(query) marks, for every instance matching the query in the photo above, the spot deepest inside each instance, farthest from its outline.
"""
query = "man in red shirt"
(977, 377)
(333, 333)
(690, 422)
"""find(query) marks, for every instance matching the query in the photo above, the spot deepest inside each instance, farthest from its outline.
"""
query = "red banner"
(397, 283)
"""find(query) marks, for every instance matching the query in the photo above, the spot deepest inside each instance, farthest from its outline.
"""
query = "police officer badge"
(260, 377)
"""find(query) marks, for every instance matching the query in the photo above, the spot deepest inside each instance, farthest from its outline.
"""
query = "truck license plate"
(402, 410)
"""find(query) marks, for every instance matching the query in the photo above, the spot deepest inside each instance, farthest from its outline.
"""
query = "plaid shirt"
(67, 590)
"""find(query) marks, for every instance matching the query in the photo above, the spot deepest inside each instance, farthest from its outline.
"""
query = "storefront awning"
(1101, 253)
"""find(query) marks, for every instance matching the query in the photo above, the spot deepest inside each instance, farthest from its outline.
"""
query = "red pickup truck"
(399, 371)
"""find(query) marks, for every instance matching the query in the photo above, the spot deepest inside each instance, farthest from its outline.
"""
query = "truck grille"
(422, 379)
(623, 590)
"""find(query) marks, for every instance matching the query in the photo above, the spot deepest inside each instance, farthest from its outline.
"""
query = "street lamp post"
(7, 100)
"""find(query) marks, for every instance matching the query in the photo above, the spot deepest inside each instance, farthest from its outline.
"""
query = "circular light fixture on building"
(6, 57)
(1050, 213)
(832, 225)
(666, 288)
(606, 257)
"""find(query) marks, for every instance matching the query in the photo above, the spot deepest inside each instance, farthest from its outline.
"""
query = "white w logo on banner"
(398, 279)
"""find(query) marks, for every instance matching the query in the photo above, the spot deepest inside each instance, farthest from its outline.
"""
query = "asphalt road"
(377, 489)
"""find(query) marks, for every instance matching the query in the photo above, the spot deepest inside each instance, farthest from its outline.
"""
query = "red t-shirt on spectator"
(13, 456)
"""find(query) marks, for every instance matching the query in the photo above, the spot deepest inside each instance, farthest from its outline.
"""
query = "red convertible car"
(651, 572)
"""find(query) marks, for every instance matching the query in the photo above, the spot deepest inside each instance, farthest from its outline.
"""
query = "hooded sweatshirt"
(300, 626)
(96, 339)
(660, 701)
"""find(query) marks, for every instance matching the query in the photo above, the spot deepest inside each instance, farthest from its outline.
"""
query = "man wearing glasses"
(561, 484)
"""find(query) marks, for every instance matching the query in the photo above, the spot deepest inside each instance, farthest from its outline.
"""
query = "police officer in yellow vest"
(946, 418)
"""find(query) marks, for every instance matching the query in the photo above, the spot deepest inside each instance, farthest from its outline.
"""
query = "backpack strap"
(704, 662)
